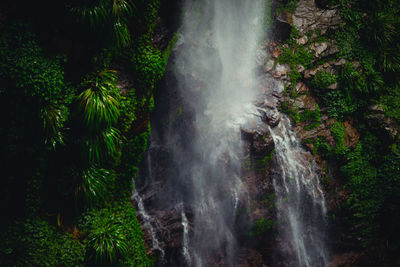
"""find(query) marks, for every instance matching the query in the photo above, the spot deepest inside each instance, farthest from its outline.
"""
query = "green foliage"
(260, 227)
(96, 186)
(338, 133)
(24, 66)
(128, 108)
(34, 242)
(323, 148)
(102, 146)
(289, 7)
(311, 117)
(293, 113)
(115, 236)
(53, 119)
(339, 106)
(322, 80)
(148, 64)
(299, 55)
(365, 200)
(391, 103)
(114, 15)
(98, 103)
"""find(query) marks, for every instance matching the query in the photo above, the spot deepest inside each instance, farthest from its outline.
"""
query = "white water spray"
(301, 203)
(147, 222)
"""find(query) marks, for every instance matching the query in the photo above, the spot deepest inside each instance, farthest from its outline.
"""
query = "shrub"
(311, 117)
(322, 80)
(96, 186)
(98, 104)
(115, 236)
(148, 64)
(24, 66)
(338, 133)
(34, 242)
(293, 113)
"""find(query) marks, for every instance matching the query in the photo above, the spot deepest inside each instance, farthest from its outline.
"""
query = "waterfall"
(147, 222)
(211, 87)
(301, 204)
(185, 249)
(215, 66)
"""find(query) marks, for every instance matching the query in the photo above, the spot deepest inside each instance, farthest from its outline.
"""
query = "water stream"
(214, 82)
(301, 204)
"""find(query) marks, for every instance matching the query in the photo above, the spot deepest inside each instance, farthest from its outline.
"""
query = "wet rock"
(333, 86)
(270, 116)
(249, 258)
(300, 68)
(259, 139)
(269, 65)
(301, 88)
(351, 136)
(340, 62)
(388, 126)
(261, 56)
(280, 70)
(308, 16)
(321, 131)
(276, 52)
(302, 40)
(305, 102)
(324, 49)
(345, 260)
(379, 121)
(377, 108)
(319, 48)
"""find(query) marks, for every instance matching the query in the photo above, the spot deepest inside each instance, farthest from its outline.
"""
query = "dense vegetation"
(72, 139)
(367, 95)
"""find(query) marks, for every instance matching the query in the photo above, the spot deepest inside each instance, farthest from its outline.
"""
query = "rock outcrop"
(308, 17)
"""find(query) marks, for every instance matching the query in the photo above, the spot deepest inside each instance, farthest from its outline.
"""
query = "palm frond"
(98, 104)
(95, 184)
(52, 119)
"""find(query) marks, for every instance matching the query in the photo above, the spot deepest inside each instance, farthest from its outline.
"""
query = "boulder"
(270, 116)
(308, 16)
(301, 88)
(351, 135)
(379, 121)
(305, 102)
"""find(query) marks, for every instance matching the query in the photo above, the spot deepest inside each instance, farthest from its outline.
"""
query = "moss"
(338, 133)
(311, 117)
(293, 113)
(322, 80)
(260, 227)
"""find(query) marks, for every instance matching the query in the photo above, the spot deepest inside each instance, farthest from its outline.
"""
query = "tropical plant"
(113, 14)
(96, 185)
(106, 236)
(103, 145)
(99, 102)
(53, 119)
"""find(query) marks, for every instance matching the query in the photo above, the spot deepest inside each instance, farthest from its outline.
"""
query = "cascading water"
(301, 204)
(215, 77)
(212, 77)
(147, 222)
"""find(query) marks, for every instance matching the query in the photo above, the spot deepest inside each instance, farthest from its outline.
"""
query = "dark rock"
(305, 102)
(351, 136)
(388, 126)
(249, 258)
(270, 116)
(301, 88)
(308, 16)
